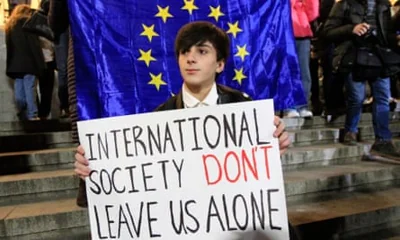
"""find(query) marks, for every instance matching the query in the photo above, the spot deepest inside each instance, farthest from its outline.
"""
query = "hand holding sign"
(81, 163)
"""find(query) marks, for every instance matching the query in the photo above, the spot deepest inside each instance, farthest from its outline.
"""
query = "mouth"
(191, 70)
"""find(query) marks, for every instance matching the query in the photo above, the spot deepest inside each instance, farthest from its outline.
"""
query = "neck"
(199, 92)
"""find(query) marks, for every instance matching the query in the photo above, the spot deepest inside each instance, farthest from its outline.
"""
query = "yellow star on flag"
(239, 75)
(146, 57)
(242, 52)
(189, 5)
(163, 13)
(234, 28)
(156, 81)
(149, 32)
(216, 13)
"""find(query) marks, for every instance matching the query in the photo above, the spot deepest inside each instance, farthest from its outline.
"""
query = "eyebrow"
(204, 45)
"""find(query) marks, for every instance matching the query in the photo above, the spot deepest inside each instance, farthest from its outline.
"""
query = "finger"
(81, 168)
(81, 174)
(284, 140)
(280, 129)
(366, 25)
(81, 159)
(80, 150)
(284, 147)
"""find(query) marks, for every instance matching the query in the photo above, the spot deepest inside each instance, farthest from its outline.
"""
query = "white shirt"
(191, 102)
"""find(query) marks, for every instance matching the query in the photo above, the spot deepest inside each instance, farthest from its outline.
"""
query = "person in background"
(24, 62)
(303, 13)
(59, 22)
(357, 38)
(46, 78)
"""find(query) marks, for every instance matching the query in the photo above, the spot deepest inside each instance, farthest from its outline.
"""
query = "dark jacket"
(344, 16)
(24, 54)
(226, 95)
(58, 17)
(396, 23)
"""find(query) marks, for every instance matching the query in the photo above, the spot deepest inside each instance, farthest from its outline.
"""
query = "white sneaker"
(291, 114)
(304, 113)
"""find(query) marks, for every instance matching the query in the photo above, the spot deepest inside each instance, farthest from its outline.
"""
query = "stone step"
(326, 154)
(54, 125)
(347, 215)
(43, 217)
(306, 137)
(386, 231)
(317, 121)
(37, 186)
(63, 183)
(35, 141)
(38, 160)
(347, 176)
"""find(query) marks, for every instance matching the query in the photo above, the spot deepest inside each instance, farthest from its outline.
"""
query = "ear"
(220, 66)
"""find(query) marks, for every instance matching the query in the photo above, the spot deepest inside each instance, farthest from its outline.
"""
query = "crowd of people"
(353, 42)
(34, 52)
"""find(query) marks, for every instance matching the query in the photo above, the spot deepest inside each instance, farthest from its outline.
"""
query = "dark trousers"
(315, 101)
(61, 50)
(332, 84)
(46, 85)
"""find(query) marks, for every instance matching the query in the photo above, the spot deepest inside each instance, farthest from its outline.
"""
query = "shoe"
(368, 101)
(34, 119)
(385, 149)
(64, 113)
(291, 114)
(304, 113)
(350, 139)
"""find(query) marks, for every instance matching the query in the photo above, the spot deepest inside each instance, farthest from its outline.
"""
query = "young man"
(361, 28)
(202, 50)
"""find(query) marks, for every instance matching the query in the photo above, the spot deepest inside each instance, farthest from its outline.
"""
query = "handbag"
(368, 66)
(38, 24)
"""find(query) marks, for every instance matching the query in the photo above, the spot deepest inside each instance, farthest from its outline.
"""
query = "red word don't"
(234, 166)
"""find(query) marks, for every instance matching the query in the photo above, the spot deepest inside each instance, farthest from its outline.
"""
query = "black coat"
(345, 15)
(58, 17)
(226, 95)
(24, 54)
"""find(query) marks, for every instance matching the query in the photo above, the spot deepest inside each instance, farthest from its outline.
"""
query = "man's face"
(199, 65)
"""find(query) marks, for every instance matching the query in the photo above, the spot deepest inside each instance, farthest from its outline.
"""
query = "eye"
(184, 52)
(203, 51)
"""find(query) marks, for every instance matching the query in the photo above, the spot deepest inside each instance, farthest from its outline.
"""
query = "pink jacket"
(304, 12)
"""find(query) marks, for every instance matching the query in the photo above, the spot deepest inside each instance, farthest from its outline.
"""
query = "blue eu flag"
(125, 61)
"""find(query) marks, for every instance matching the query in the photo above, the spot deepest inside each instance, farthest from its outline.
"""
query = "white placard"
(203, 173)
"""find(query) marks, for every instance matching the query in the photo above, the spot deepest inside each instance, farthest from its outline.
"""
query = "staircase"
(331, 193)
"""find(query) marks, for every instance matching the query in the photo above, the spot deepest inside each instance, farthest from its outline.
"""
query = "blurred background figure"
(303, 13)
(364, 50)
(46, 78)
(24, 62)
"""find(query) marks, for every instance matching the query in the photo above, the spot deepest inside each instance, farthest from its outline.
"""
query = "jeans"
(303, 53)
(25, 96)
(61, 52)
(380, 107)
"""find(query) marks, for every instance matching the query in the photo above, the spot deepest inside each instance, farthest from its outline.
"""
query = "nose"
(190, 57)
